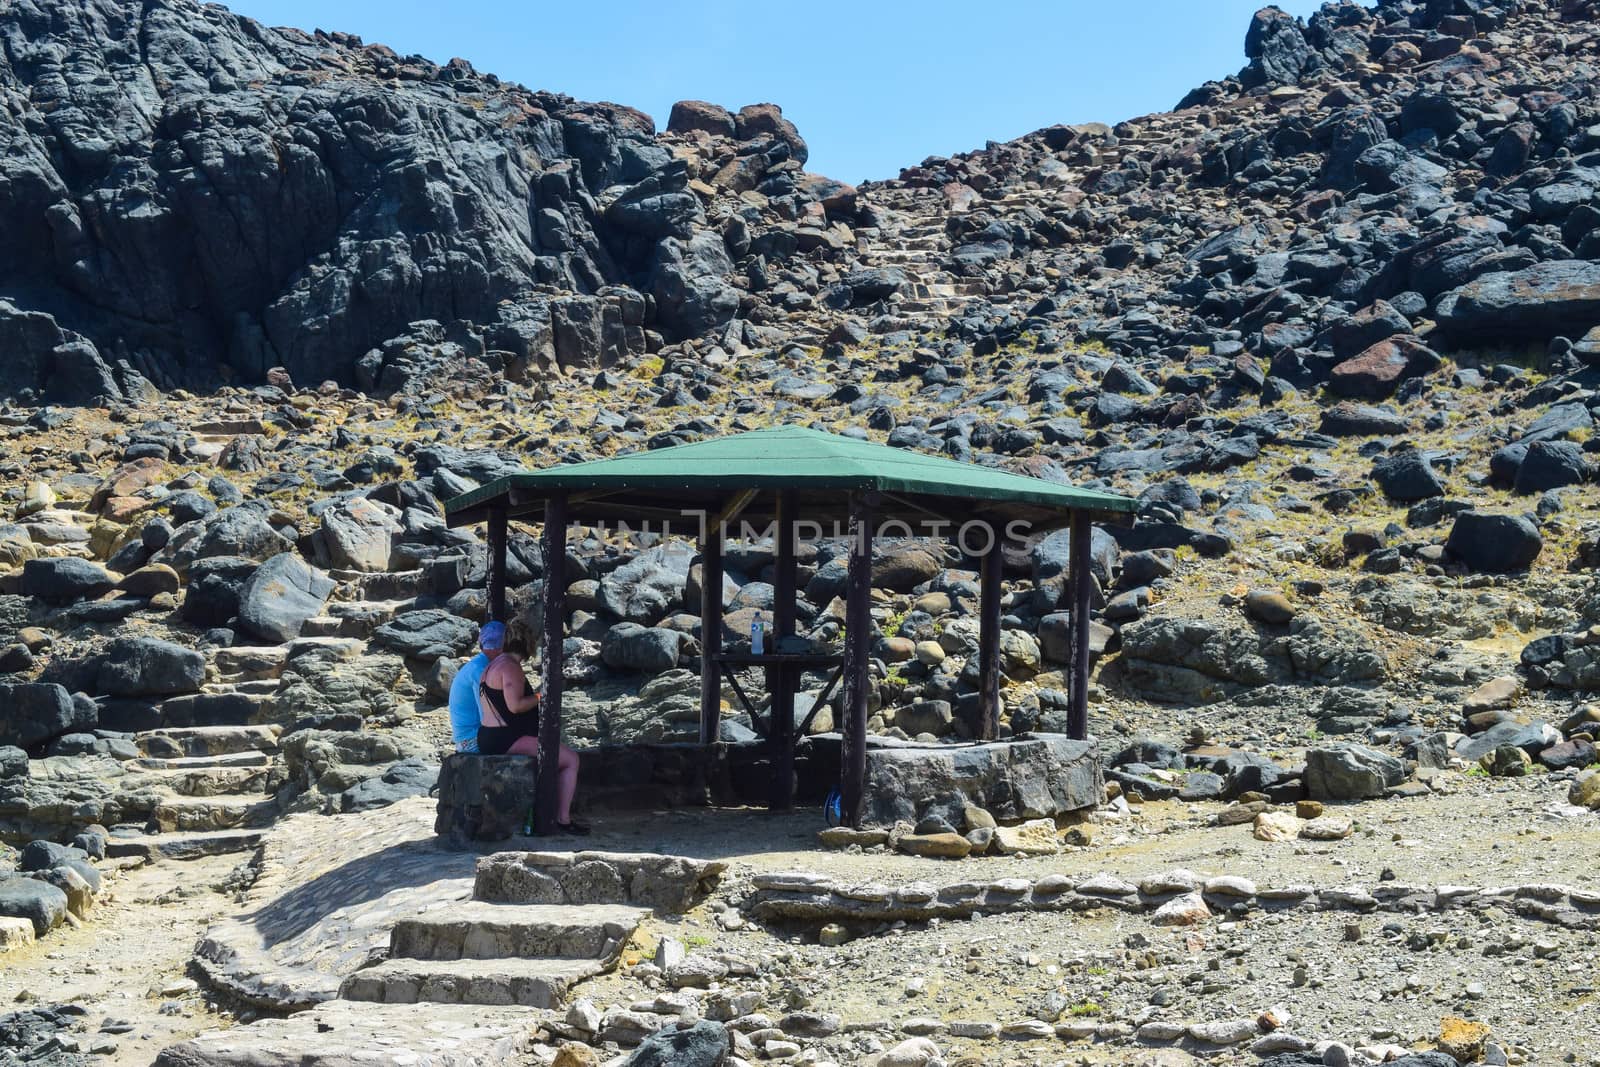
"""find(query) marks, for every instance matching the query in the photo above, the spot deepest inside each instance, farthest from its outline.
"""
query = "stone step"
(518, 982)
(220, 781)
(172, 741)
(251, 662)
(214, 709)
(182, 846)
(360, 618)
(337, 1033)
(479, 930)
(225, 760)
(188, 814)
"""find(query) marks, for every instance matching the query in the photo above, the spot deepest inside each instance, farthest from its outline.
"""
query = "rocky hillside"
(268, 298)
(271, 297)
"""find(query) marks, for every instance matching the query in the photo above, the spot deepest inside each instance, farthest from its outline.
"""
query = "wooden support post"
(554, 538)
(497, 563)
(783, 678)
(710, 633)
(989, 641)
(857, 662)
(1079, 578)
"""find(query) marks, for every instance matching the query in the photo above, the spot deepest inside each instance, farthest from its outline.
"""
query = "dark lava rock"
(1551, 465)
(427, 634)
(39, 902)
(1355, 420)
(412, 777)
(1542, 301)
(1350, 772)
(628, 646)
(1377, 372)
(705, 1044)
(1494, 543)
(64, 580)
(1407, 477)
(272, 168)
(38, 711)
(212, 595)
(1365, 328)
(147, 666)
(277, 599)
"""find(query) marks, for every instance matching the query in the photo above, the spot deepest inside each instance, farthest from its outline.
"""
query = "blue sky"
(873, 86)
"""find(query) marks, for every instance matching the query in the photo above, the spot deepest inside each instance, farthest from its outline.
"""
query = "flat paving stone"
(351, 1034)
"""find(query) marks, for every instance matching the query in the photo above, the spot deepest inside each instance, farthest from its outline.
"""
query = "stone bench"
(484, 798)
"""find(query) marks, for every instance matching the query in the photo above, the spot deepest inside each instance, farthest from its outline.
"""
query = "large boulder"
(1051, 555)
(705, 1044)
(243, 531)
(1495, 543)
(64, 580)
(37, 711)
(645, 588)
(359, 534)
(902, 565)
(1354, 335)
(412, 777)
(1407, 476)
(1278, 51)
(1377, 372)
(427, 634)
(627, 646)
(1551, 465)
(279, 596)
(1390, 165)
(1182, 661)
(39, 902)
(148, 666)
(1350, 772)
(1039, 777)
(690, 284)
(757, 121)
(212, 595)
(1561, 297)
(688, 116)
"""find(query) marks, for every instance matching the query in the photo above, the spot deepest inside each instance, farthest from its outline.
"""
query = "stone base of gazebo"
(1034, 776)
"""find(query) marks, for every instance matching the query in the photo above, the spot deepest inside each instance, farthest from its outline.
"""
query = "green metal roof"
(787, 457)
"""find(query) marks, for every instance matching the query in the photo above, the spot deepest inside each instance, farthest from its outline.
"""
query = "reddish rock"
(766, 120)
(127, 480)
(690, 115)
(1378, 371)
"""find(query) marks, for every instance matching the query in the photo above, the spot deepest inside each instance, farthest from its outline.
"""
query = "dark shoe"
(576, 829)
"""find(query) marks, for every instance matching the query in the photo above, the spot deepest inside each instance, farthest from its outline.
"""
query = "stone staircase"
(527, 955)
(492, 969)
(214, 789)
(538, 923)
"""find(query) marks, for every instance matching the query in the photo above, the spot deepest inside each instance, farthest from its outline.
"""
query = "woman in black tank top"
(508, 722)
(502, 728)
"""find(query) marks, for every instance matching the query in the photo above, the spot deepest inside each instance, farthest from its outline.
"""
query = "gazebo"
(791, 476)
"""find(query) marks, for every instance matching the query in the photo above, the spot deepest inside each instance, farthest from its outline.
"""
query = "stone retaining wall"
(1173, 899)
(643, 879)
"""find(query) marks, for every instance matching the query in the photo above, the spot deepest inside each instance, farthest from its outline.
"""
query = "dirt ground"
(1009, 967)
(128, 964)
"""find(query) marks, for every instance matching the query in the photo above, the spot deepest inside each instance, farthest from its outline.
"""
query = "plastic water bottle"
(757, 642)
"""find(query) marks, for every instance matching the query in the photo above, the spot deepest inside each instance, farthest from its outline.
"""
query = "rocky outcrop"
(1193, 661)
(286, 199)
